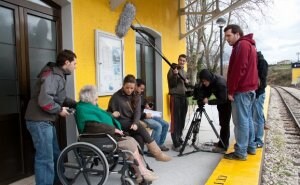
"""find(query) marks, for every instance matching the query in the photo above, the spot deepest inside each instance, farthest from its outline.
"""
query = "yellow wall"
(161, 16)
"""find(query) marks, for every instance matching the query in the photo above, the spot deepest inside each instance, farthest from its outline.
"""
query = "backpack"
(262, 68)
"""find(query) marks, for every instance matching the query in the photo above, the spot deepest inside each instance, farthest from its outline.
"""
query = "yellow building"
(158, 19)
(33, 31)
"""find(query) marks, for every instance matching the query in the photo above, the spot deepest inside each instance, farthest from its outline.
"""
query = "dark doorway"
(29, 38)
(145, 61)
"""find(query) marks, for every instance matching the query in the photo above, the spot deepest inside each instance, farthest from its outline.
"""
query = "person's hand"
(120, 132)
(187, 81)
(116, 114)
(134, 127)
(148, 115)
(230, 97)
(205, 100)
(64, 112)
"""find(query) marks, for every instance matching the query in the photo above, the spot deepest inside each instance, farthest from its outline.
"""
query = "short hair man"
(160, 127)
(178, 101)
(49, 101)
(216, 84)
(242, 81)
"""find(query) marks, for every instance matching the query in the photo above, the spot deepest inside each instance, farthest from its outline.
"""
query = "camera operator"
(215, 84)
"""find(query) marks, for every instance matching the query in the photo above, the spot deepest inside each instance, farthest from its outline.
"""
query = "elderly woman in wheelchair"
(91, 119)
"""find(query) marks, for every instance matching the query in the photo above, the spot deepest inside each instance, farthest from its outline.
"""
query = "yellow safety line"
(232, 172)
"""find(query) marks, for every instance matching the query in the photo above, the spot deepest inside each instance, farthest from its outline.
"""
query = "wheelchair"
(92, 159)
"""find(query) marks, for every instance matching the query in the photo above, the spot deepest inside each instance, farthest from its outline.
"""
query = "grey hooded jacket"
(49, 95)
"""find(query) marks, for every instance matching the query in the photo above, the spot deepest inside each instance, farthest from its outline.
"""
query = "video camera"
(175, 66)
(198, 95)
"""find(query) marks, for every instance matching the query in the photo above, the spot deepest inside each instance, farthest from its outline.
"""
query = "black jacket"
(262, 67)
(217, 87)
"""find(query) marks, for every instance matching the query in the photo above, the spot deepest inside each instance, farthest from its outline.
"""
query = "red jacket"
(242, 73)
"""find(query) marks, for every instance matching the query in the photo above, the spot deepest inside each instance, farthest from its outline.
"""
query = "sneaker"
(253, 152)
(163, 148)
(176, 149)
(216, 144)
(260, 145)
(219, 150)
(233, 156)
(267, 127)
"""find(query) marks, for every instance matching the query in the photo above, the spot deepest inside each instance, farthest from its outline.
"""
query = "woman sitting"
(92, 119)
(128, 105)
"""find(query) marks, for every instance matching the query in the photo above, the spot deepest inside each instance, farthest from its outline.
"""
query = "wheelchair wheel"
(128, 181)
(131, 173)
(82, 163)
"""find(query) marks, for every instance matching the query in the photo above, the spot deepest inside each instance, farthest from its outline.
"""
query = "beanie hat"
(206, 75)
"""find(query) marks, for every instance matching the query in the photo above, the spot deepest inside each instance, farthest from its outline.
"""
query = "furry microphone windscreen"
(125, 20)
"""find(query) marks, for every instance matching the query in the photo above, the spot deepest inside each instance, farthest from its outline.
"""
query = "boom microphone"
(125, 20)
(124, 23)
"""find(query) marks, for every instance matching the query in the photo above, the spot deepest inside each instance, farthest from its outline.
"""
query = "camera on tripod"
(198, 95)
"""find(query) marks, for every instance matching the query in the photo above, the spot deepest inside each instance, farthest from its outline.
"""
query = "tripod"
(194, 129)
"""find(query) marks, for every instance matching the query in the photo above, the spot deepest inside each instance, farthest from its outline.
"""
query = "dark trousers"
(179, 106)
(141, 135)
(224, 119)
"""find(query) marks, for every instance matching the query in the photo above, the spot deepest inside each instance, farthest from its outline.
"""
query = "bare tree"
(203, 48)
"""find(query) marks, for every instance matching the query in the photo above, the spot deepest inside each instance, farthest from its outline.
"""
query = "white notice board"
(109, 63)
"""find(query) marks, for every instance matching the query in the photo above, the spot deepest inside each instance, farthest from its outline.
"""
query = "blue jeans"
(44, 139)
(160, 129)
(243, 123)
(258, 119)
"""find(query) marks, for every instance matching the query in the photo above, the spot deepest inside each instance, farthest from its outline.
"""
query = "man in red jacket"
(242, 81)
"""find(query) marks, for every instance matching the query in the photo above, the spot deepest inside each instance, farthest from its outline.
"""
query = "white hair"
(88, 93)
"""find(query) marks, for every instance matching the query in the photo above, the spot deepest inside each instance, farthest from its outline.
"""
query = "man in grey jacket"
(178, 101)
(49, 101)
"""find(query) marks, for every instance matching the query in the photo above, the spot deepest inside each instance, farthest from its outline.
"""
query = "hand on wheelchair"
(119, 132)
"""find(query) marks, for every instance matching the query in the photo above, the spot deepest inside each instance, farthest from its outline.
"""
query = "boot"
(157, 153)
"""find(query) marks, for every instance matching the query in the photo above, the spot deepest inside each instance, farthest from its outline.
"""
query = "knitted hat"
(206, 75)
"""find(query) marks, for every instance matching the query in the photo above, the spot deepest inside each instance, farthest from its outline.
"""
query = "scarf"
(87, 112)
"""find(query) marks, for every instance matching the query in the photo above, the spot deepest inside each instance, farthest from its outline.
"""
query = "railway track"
(289, 110)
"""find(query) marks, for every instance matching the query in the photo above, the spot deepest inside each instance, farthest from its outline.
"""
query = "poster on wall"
(109, 61)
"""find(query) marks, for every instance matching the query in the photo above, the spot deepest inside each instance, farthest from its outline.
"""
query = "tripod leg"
(187, 138)
(213, 127)
(189, 134)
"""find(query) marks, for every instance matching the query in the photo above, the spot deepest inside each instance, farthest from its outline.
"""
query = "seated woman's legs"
(130, 144)
(151, 145)
(139, 140)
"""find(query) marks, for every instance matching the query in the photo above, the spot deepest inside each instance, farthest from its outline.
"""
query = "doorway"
(145, 62)
(29, 38)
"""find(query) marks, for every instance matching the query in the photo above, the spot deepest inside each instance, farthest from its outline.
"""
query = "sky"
(278, 37)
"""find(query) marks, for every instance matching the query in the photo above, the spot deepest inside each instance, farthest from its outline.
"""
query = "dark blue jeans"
(44, 139)
(258, 119)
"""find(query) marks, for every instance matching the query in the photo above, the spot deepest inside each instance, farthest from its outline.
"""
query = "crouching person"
(92, 119)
